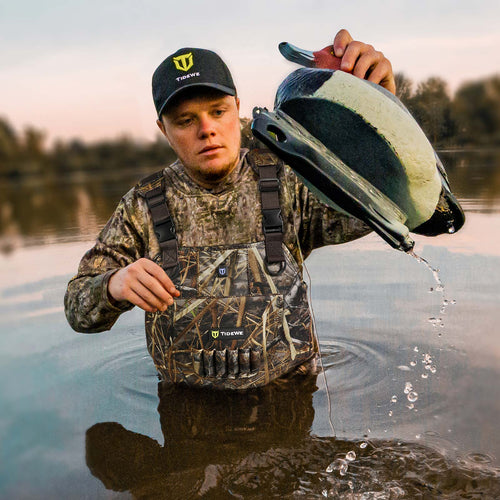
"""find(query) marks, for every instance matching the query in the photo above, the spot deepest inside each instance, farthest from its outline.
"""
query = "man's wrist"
(121, 305)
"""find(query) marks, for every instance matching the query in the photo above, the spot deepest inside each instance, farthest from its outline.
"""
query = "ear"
(237, 103)
(161, 126)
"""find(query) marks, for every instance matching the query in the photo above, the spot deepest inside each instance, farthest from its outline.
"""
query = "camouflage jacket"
(226, 221)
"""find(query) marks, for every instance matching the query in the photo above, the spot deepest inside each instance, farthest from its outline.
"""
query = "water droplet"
(433, 369)
(343, 469)
(410, 406)
(408, 388)
(451, 229)
(363, 445)
(404, 368)
(418, 436)
(412, 396)
(435, 321)
(427, 367)
(415, 348)
(394, 399)
(453, 302)
(331, 467)
(424, 375)
(413, 363)
(390, 413)
(350, 455)
(324, 492)
(434, 271)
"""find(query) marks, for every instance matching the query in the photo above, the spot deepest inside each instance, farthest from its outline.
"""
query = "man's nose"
(206, 127)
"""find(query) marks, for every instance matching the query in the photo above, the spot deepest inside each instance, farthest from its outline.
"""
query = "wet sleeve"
(321, 225)
(87, 305)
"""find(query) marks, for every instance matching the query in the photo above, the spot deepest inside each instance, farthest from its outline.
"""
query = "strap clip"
(165, 230)
(272, 222)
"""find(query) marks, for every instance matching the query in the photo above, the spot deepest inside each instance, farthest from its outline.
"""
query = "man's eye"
(184, 122)
(219, 112)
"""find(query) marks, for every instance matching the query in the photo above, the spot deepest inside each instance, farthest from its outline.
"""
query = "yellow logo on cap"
(184, 61)
(215, 333)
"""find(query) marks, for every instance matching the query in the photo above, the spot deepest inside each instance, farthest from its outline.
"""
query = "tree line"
(469, 118)
(27, 153)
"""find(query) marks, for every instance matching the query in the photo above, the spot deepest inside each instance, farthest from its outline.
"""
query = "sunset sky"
(83, 68)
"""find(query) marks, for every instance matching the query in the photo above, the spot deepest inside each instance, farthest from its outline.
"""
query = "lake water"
(407, 405)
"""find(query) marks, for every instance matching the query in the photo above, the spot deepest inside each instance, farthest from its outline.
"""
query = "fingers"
(137, 300)
(144, 284)
(159, 274)
(358, 58)
(140, 293)
(363, 61)
(383, 75)
(342, 39)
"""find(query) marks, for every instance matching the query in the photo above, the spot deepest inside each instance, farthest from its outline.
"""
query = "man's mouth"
(209, 149)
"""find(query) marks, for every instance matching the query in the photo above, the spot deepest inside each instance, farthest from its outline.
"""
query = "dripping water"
(439, 287)
(340, 464)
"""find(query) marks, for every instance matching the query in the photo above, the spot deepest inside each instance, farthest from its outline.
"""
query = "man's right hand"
(145, 284)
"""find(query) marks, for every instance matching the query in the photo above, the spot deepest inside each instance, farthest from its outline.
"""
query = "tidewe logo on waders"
(184, 61)
(215, 334)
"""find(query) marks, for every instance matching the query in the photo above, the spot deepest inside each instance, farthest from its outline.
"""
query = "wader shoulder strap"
(152, 189)
(268, 166)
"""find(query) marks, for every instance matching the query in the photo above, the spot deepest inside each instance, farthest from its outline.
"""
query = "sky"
(82, 69)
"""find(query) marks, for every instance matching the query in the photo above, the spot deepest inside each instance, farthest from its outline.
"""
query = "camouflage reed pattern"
(270, 313)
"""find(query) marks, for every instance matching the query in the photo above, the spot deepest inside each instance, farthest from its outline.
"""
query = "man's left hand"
(363, 61)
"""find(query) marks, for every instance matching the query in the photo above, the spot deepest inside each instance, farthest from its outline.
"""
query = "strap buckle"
(272, 221)
(165, 230)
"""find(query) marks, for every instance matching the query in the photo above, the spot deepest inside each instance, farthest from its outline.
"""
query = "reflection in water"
(474, 175)
(40, 210)
(257, 444)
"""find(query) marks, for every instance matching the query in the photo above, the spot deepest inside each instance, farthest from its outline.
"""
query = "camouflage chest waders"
(243, 318)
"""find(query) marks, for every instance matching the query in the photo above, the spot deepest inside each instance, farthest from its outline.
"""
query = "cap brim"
(222, 88)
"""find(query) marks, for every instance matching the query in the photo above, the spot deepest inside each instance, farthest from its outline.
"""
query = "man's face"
(204, 130)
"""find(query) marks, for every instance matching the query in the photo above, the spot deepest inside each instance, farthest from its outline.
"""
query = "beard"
(213, 175)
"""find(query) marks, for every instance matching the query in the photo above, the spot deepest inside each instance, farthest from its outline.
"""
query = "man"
(212, 247)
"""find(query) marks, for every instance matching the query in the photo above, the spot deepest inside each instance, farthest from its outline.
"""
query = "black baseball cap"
(189, 67)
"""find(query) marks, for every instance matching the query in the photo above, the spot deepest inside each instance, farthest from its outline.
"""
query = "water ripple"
(354, 365)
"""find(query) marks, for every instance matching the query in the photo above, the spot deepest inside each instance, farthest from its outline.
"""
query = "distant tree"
(476, 109)
(404, 88)
(33, 142)
(32, 158)
(9, 147)
(431, 106)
